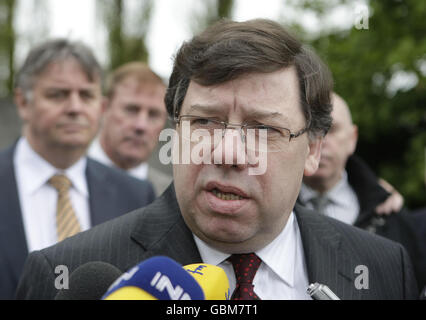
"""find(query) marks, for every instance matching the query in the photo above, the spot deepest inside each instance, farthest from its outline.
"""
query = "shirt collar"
(307, 193)
(282, 264)
(96, 152)
(141, 171)
(37, 171)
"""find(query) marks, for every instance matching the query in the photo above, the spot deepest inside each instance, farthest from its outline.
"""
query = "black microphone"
(89, 281)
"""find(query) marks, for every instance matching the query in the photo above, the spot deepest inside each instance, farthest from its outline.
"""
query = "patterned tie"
(320, 203)
(66, 220)
(245, 268)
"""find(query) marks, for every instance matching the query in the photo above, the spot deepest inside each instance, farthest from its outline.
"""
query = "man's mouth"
(226, 195)
(226, 192)
(225, 198)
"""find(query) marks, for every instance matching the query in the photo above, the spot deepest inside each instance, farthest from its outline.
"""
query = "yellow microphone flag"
(212, 279)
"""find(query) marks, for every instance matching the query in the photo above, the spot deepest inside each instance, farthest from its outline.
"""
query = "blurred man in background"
(346, 189)
(135, 115)
(49, 190)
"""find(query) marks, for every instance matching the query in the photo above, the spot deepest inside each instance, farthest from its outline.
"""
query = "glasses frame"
(226, 125)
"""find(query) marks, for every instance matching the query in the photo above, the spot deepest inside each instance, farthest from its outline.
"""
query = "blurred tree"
(127, 25)
(7, 46)
(379, 68)
(213, 10)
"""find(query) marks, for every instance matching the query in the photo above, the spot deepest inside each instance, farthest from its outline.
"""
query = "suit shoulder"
(118, 176)
(359, 236)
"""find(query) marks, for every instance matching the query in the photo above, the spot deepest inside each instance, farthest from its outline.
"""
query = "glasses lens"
(211, 132)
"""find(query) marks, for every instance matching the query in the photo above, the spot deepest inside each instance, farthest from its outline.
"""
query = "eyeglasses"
(256, 137)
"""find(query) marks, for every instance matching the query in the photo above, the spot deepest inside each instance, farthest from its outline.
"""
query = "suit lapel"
(101, 195)
(12, 233)
(326, 262)
(161, 230)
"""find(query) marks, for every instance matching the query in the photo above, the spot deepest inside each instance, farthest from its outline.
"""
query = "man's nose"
(75, 103)
(230, 150)
(140, 122)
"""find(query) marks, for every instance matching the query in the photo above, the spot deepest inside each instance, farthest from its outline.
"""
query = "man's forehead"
(57, 74)
(261, 94)
(137, 85)
(341, 112)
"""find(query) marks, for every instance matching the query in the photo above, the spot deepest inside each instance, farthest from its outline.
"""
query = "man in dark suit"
(260, 102)
(58, 95)
(349, 191)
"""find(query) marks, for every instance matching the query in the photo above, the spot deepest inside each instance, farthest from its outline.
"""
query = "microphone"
(423, 294)
(89, 281)
(321, 292)
(212, 279)
(157, 278)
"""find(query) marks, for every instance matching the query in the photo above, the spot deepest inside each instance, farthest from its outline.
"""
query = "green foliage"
(391, 116)
(7, 46)
(126, 45)
(214, 10)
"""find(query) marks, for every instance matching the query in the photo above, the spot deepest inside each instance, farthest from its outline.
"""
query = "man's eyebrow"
(204, 108)
(254, 114)
(260, 114)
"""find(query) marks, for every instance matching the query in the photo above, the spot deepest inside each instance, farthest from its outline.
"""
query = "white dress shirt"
(38, 198)
(282, 274)
(96, 152)
(343, 204)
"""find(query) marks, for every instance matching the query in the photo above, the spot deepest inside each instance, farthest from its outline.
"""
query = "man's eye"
(269, 129)
(154, 114)
(202, 121)
(86, 95)
(131, 109)
(56, 95)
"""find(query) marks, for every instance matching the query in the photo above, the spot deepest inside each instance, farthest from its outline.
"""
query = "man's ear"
(353, 139)
(22, 103)
(314, 155)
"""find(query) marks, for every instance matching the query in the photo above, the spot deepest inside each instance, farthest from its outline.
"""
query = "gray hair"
(41, 56)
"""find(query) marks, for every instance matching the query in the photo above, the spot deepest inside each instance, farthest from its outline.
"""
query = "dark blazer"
(112, 193)
(332, 252)
(397, 226)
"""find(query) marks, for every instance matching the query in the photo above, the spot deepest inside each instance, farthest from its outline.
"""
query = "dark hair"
(56, 50)
(228, 49)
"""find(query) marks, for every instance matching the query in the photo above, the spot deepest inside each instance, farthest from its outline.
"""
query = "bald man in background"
(345, 188)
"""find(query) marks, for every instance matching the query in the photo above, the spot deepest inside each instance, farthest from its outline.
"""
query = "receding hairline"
(140, 72)
(337, 100)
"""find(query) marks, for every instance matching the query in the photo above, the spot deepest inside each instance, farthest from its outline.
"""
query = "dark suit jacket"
(397, 226)
(332, 252)
(112, 193)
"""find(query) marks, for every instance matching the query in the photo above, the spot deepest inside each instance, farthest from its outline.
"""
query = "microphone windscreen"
(212, 279)
(130, 293)
(89, 281)
(158, 278)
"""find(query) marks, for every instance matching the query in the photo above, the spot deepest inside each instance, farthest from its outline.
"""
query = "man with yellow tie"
(49, 189)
